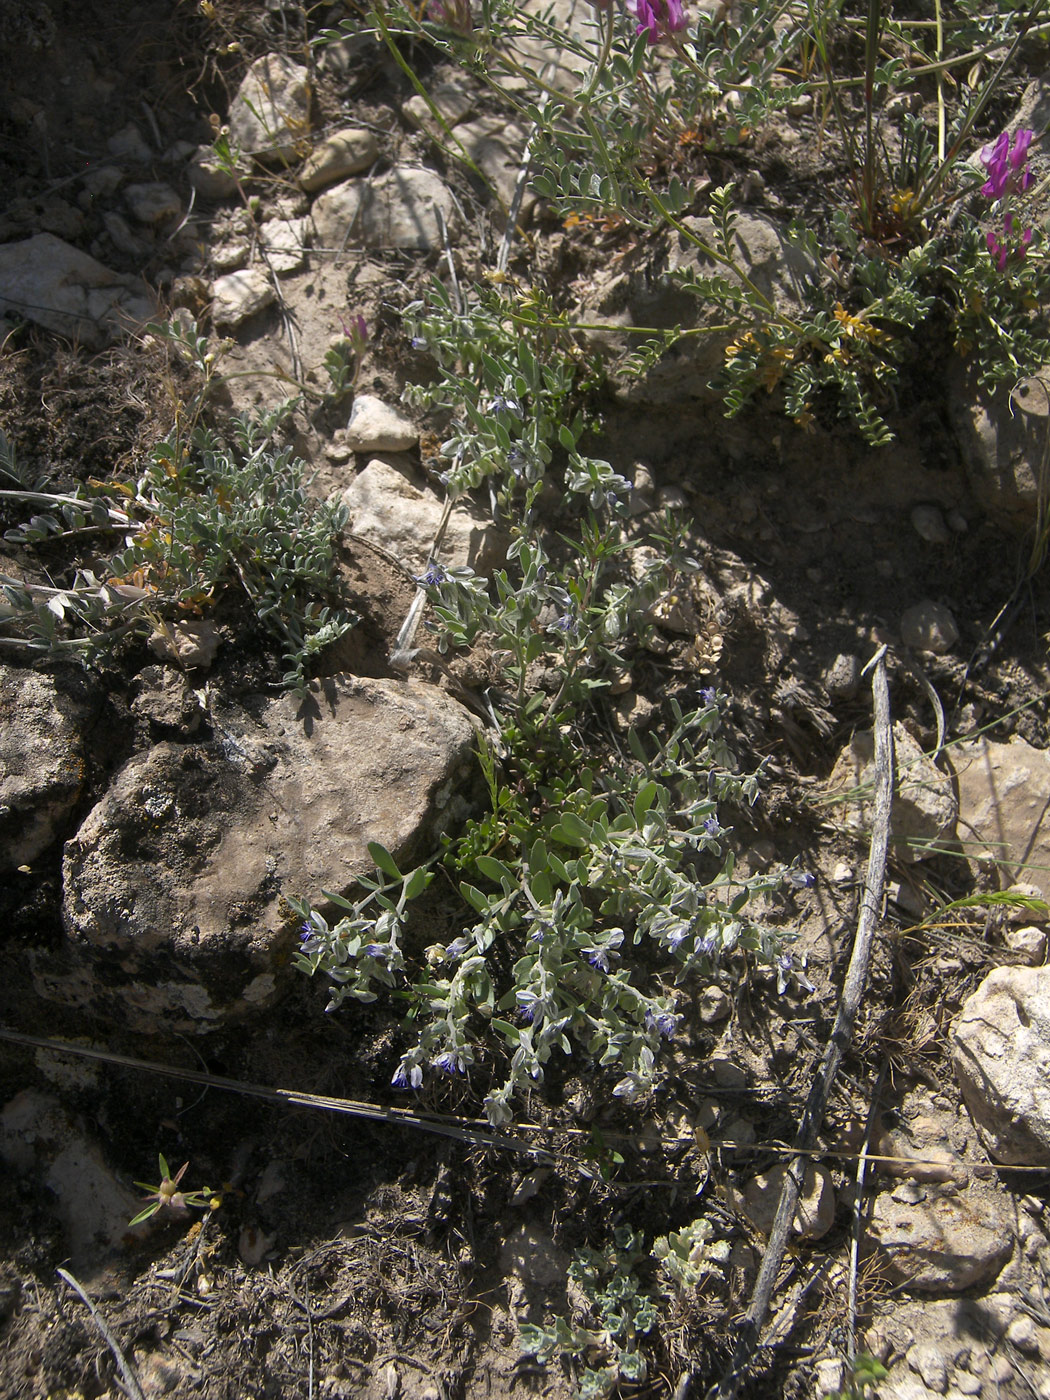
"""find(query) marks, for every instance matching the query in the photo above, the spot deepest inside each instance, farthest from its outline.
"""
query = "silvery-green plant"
(690, 1256)
(207, 516)
(605, 1341)
(619, 1312)
(576, 939)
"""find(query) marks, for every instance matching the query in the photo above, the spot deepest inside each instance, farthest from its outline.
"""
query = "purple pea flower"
(677, 935)
(663, 1022)
(355, 330)
(407, 1078)
(660, 18)
(450, 1062)
(434, 575)
(800, 879)
(1008, 175)
(597, 957)
(455, 14)
(1006, 164)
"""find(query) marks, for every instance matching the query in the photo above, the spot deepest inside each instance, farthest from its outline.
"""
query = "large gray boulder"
(174, 884)
(1002, 436)
(1003, 813)
(924, 808)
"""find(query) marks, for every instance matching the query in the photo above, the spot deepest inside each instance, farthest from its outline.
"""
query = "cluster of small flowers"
(1007, 165)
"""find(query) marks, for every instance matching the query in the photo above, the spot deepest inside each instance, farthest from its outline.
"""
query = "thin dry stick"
(464, 1128)
(128, 1376)
(353, 1107)
(852, 990)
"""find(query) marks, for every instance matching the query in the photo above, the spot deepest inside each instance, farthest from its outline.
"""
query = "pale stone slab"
(344, 153)
(1001, 1054)
(270, 115)
(1003, 811)
(68, 292)
(173, 885)
(396, 210)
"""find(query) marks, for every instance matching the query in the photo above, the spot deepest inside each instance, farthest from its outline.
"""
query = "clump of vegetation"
(211, 513)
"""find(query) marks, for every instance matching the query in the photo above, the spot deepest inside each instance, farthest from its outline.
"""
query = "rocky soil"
(154, 809)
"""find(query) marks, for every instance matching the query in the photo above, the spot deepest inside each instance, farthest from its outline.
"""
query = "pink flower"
(456, 14)
(1006, 164)
(659, 17)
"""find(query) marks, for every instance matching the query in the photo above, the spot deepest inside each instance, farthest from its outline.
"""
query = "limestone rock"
(929, 626)
(451, 101)
(38, 1136)
(173, 885)
(1002, 808)
(128, 144)
(929, 524)
(377, 427)
(924, 805)
(42, 761)
(496, 147)
(239, 295)
(344, 153)
(153, 202)
(910, 1333)
(655, 297)
(396, 210)
(68, 292)
(284, 242)
(208, 177)
(938, 1238)
(192, 645)
(121, 235)
(562, 67)
(761, 1194)
(1001, 1054)
(842, 678)
(389, 504)
(1029, 944)
(1002, 449)
(270, 115)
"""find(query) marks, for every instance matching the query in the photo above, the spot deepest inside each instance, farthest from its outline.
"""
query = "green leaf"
(384, 861)
(496, 871)
(510, 1033)
(337, 900)
(474, 897)
(417, 882)
(644, 799)
(573, 830)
